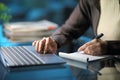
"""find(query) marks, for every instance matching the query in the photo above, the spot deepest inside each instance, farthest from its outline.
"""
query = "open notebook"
(24, 56)
(84, 61)
(82, 57)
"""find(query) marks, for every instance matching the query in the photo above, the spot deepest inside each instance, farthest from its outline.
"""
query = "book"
(29, 31)
(28, 34)
(23, 39)
(30, 26)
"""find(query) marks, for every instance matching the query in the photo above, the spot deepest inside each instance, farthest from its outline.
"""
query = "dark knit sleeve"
(74, 27)
(113, 47)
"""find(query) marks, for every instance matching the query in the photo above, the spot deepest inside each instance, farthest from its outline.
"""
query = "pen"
(99, 36)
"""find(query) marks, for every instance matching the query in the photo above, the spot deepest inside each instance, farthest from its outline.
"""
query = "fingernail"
(44, 52)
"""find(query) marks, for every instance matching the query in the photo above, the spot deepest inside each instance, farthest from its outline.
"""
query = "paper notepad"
(81, 56)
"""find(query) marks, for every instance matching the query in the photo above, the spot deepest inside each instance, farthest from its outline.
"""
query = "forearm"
(73, 28)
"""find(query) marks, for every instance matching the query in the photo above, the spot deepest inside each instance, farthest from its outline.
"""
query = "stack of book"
(29, 31)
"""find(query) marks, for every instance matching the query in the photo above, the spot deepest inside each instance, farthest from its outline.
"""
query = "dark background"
(34, 10)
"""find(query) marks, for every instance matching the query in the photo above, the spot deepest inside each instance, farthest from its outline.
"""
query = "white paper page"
(80, 56)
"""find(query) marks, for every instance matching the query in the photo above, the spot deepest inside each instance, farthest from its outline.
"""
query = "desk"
(108, 70)
(62, 72)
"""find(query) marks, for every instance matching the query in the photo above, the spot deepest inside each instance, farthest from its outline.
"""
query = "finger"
(92, 50)
(46, 49)
(83, 47)
(87, 44)
(36, 45)
(88, 51)
(79, 49)
(42, 45)
(33, 44)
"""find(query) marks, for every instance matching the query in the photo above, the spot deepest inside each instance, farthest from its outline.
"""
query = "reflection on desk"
(108, 69)
(62, 72)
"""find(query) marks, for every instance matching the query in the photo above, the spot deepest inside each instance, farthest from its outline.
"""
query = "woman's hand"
(46, 45)
(95, 47)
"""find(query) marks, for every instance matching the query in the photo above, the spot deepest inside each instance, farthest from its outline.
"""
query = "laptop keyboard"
(19, 56)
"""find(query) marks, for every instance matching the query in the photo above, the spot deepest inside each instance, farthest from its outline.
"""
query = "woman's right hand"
(46, 45)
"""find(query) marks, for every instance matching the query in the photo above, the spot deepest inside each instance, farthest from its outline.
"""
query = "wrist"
(54, 41)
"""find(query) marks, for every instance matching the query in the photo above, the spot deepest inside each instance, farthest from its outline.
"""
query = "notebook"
(82, 57)
(25, 56)
(82, 60)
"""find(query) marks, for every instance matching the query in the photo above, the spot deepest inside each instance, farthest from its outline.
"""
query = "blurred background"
(56, 11)
(33, 10)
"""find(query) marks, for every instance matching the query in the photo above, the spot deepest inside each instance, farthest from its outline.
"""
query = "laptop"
(26, 56)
